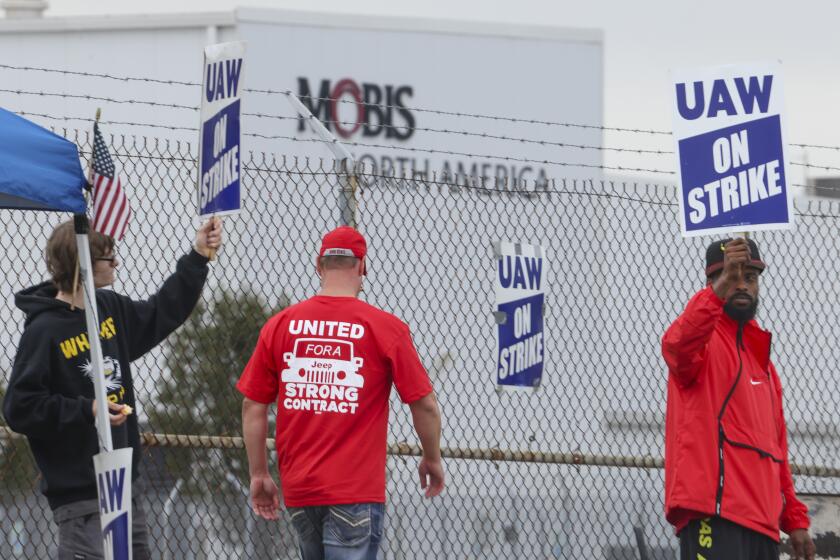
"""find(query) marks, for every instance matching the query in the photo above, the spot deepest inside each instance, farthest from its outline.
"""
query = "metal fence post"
(347, 193)
(345, 163)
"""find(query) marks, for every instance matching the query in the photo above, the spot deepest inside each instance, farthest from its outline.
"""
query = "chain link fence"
(570, 470)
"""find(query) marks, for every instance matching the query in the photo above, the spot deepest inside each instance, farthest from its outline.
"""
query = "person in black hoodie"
(50, 397)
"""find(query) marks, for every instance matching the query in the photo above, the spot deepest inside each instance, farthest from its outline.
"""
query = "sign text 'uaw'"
(113, 480)
(733, 169)
(219, 187)
(519, 311)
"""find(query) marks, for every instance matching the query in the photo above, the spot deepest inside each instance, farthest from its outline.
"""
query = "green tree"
(205, 358)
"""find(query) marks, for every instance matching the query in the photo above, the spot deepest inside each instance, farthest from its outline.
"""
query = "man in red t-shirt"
(329, 363)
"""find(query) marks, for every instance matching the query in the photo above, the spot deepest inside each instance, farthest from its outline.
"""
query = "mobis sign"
(347, 108)
(368, 113)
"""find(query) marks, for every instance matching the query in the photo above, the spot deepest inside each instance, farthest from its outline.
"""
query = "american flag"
(110, 205)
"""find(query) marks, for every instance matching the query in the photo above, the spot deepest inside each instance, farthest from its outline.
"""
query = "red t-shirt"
(329, 362)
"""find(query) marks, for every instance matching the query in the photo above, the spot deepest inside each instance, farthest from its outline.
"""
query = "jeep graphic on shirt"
(322, 376)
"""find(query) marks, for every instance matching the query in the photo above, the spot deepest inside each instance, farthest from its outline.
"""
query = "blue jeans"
(344, 532)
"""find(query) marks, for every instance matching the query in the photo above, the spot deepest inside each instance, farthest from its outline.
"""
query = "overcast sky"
(644, 39)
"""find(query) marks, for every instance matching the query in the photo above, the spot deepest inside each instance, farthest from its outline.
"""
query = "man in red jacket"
(728, 487)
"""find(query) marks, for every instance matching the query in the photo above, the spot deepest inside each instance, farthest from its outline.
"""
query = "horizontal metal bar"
(487, 454)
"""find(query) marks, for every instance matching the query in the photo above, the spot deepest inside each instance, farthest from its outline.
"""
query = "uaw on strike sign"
(520, 302)
(732, 165)
(113, 481)
(219, 187)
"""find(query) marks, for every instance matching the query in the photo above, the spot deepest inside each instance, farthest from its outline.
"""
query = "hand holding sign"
(736, 255)
(208, 238)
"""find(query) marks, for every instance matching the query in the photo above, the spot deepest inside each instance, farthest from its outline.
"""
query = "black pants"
(714, 538)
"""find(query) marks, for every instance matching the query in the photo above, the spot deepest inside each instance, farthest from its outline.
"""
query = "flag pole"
(112, 467)
(85, 269)
(103, 425)
(87, 197)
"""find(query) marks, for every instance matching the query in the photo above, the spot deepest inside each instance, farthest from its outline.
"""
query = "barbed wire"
(819, 188)
(491, 136)
(465, 154)
(149, 157)
(392, 147)
(498, 157)
(502, 186)
(419, 109)
(816, 146)
(466, 133)
(354, 102)
(109, 122)
(472, 182)
(88, 97)
(814, 166)
(351, 143)
(475, 115)
(397, 127)
(399, 148)
(98, 75)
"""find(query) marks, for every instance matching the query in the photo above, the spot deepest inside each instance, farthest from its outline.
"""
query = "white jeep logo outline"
(324, 369)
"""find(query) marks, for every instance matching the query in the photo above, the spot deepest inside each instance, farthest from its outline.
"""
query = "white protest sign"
(113, 481)
(519, 310)
(729, 136)
(219, 186)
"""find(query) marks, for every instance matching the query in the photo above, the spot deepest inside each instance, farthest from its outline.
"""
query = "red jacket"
(714, 405)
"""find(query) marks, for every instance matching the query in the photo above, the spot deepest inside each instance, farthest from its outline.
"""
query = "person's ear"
(318, 266)
(362, 266)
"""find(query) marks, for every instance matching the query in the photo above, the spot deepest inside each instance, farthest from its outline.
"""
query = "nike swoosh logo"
(756, 382)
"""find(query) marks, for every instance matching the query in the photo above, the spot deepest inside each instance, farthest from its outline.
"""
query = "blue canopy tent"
(40, 170)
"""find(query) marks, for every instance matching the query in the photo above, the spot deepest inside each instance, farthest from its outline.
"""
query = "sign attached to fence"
(733, 169)
(219, 186)
(519, 311)
(113, 480)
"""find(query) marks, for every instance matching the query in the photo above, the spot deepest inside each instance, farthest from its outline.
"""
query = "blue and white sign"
(113, 479)
(219, 186)
(729, 134)
(519, 311)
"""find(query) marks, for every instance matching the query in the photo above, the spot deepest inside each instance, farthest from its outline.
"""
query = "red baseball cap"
(343, 241)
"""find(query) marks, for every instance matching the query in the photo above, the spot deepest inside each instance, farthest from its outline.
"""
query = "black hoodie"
(50, 393)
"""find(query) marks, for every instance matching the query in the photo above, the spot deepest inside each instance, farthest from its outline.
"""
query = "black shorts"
(714, 538)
